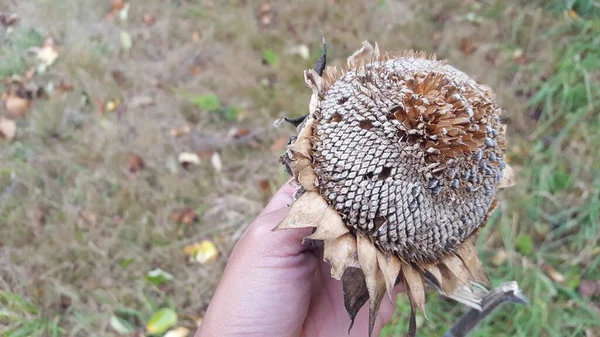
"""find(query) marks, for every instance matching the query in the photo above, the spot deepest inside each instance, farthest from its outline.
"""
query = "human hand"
(274, 285)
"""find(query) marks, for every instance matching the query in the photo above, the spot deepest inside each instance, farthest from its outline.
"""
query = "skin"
(274, 285)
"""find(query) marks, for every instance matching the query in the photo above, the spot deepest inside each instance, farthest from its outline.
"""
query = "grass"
(80, 232)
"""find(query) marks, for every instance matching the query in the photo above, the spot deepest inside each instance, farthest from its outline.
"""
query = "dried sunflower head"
(399, 161)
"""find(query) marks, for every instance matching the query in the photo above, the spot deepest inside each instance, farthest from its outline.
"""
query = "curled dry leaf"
(184, 130)
(467, 46)
(202, 252)
(279, 144)
(500, 257)
(187, 159)
(196, 36)
(48, 53)
(8, 19)
(264, 185)
(148, 19)
(216, 162)
(185, 216)
(8, 128)
(178, 332)
(553, 274)
(88, 218)
(135, 163)
(237, 133)
(266, 15)
(16, 105)
(589, 288)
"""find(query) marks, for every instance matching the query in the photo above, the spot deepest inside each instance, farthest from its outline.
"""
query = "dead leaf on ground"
(267, 16)
(467, 46)
(553, 274)
(202, 252)
(279, 144)
(88, 218)
(135, 163)
(65, 86)
(185, 216)
(264, 185)
(8, 19)
(148, 19)
(115, 7)
(499, 258)
(178, 332)
(112, 105)
(100, 106)
(184, 130)
(39, 217)
(237, 133)
(141, 101)
(188, 159)
(216, 162)
(8, 128)
(16, 105)
(65, 302)
(47, 53)
(196, 36)
(589, 288)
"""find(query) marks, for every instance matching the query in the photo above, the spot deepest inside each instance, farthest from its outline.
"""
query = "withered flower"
(399, 161)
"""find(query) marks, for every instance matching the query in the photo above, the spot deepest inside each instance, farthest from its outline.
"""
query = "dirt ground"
(94, 196)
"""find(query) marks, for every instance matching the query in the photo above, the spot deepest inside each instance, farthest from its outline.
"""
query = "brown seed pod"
(399, 161)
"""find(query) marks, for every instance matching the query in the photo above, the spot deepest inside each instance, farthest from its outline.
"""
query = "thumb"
(265, 289)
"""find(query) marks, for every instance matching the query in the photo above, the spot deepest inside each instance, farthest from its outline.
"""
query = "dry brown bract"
(398, 161)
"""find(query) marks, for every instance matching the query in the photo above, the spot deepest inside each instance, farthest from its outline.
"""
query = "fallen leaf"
(135, 163)
(589, 288)
(187, 159)
(199, 321)
(264, 185)
(148, 19)
(573, 14)
(158, 276)
(237, 133)
(121, 325)
(202, 252)
(65, 302)
(467, 46)
(8, 128)
(178, 332)
(215, 160)
(266, 15)
(88, 218)
(162, 320)
(524, 244)
(185, 216)
(279, 144)
(270, 57)
(141, 101)
(112, 105)
(436, 38)
(184, 130)
(119, 77)
(126, 40)
(196, 36)
(100, 106)
(48, 54)
(8, 19)
(39, 217)
(16, 105)
(553, 274)
(117, 5)
(499, 258)
(301, 50)
(65, 86)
